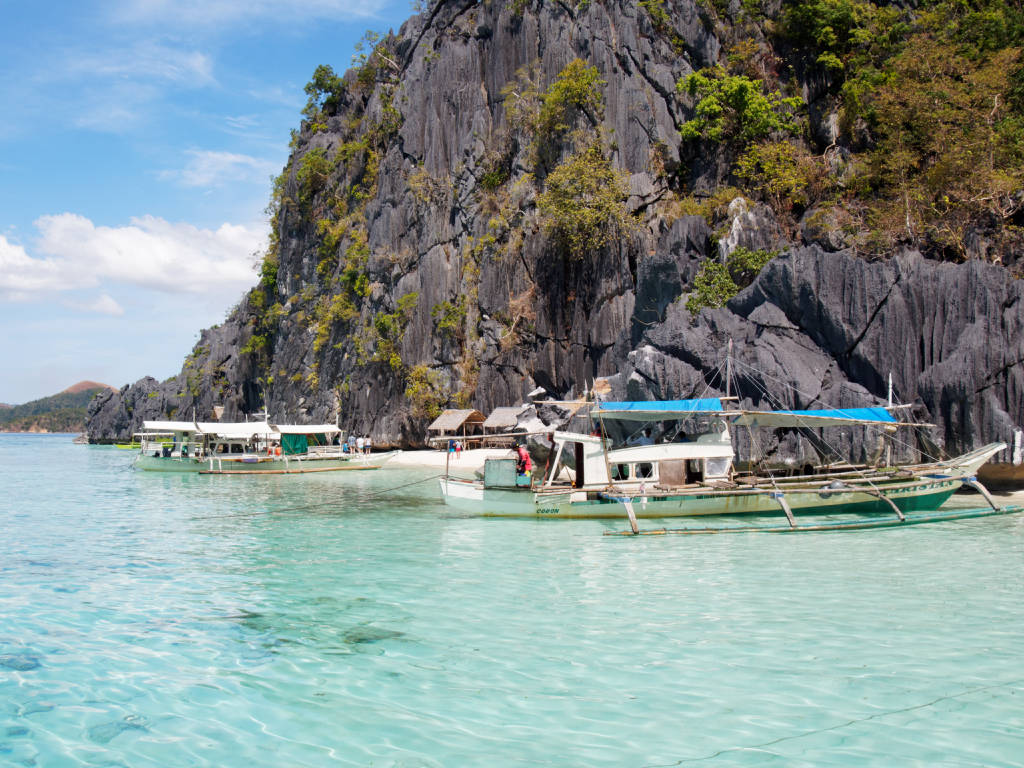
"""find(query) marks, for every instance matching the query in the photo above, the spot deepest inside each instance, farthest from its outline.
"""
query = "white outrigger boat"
(694, 475)
(248, 448)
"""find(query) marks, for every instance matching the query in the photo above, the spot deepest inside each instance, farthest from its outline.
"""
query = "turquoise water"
(159, 620)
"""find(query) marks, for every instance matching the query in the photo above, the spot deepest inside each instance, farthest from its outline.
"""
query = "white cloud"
(213, 169)
(150, 253)
(103, 305)
(219, 11)
(146, 62)
(22, 276)
(108, 118)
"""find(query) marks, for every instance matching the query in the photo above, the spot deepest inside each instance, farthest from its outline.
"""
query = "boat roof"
(824, 417)
(306, 429)
(666, 410)
(242, 430)
(658, 410)
(504, 417)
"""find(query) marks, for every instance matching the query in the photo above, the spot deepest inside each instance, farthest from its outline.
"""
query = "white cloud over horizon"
(150, 253)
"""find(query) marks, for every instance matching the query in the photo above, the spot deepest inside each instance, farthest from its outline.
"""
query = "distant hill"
(63, 412)
(84, 386)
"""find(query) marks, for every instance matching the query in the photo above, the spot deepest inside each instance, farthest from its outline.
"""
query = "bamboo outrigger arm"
(780, 497)
(973, 483)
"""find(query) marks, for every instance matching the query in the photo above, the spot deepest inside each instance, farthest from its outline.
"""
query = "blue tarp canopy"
(814, 418)
(658, 410)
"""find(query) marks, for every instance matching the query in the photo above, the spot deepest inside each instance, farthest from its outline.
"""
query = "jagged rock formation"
(412, 264)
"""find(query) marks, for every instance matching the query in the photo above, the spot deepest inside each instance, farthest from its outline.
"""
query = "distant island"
(63, 412)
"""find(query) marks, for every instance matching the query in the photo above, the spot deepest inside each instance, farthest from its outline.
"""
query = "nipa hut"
(455, 423)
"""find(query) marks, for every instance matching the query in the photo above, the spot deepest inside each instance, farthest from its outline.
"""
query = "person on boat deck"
(643, 439)
(524, 465)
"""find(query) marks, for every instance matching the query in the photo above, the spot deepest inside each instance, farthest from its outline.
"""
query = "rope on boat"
(400, 487)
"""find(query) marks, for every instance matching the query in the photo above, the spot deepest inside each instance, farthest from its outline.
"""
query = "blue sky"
(137, 142)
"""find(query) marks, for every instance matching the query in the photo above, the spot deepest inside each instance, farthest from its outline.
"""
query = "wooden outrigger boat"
(248, 448)
(696, 477)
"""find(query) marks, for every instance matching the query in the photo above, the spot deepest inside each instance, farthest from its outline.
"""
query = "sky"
(137, 143)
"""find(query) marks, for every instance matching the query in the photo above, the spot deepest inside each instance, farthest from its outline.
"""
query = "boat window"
(620, 471)
(717, 467)
(645, 470)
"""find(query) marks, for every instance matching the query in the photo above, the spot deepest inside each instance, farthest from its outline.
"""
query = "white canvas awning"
(239, 430)
(170, 426)
(307, 429)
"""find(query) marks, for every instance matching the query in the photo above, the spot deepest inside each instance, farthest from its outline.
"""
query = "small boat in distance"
(248, 448)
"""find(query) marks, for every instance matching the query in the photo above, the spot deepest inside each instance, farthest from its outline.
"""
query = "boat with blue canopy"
(691, 470)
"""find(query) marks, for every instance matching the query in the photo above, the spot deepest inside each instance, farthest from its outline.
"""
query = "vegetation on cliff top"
(920, 138)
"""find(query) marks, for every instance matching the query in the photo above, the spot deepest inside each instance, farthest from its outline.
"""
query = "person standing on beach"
(366, 443)
(458, 448)
(359, 444)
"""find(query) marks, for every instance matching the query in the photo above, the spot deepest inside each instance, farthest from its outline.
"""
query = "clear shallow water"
(157, 620)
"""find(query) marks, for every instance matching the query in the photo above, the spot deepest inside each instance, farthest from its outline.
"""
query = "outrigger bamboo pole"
(845, 525)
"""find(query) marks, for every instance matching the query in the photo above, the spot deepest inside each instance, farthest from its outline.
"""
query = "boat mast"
(728, 370)
(885, 437)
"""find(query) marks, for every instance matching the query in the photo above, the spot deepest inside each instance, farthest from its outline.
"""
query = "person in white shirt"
(359, 444)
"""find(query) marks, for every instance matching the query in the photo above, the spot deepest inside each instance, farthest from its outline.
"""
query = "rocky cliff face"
(415, 265)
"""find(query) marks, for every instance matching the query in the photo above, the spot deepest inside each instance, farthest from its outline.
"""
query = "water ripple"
(154, 621)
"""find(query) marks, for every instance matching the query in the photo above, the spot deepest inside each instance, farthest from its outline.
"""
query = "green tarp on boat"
(296, 445)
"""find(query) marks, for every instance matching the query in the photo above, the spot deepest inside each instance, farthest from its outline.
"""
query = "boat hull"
(595, 505)
(260, 465)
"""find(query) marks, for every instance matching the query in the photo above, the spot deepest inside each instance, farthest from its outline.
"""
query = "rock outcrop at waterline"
(412, 266)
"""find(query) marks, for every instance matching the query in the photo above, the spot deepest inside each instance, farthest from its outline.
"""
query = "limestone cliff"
(421, 253)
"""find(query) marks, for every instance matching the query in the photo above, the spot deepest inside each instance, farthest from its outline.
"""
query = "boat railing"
(326, 450)
(161, 445)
